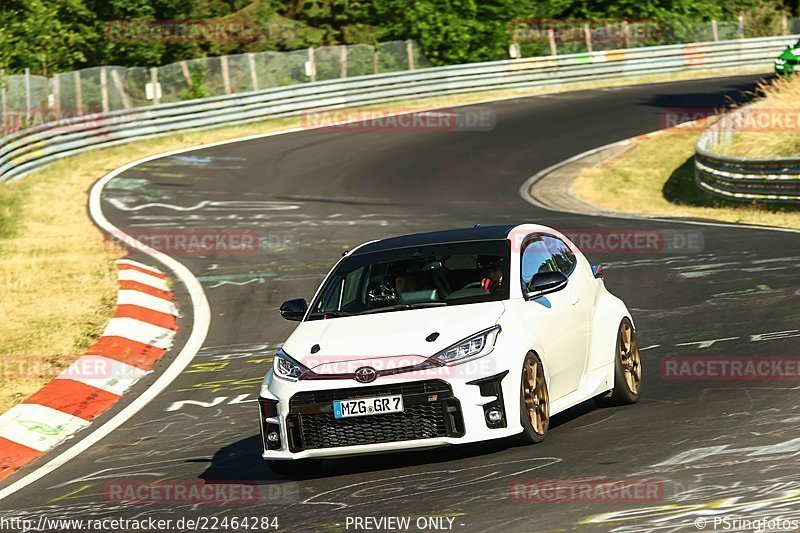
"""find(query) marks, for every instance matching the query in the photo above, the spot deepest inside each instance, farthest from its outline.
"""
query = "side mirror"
(294, 309)
(545, 283)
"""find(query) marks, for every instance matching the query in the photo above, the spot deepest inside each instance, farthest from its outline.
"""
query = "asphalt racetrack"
(708, 445)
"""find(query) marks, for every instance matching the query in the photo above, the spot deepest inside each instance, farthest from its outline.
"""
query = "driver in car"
(492, 272)
(405, 283)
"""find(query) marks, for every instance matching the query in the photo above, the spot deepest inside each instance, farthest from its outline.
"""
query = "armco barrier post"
(551, 38)
(343, 61)
(410, 53)
(714, 30)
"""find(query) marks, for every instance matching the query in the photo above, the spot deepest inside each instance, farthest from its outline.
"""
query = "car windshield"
(415, 277)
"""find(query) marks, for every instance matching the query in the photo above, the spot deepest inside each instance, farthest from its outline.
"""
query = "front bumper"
(437, 412)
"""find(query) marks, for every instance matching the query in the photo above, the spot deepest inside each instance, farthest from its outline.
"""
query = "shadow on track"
(241, 461)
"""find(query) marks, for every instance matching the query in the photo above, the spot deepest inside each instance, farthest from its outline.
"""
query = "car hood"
(790, 53)
(387, 340)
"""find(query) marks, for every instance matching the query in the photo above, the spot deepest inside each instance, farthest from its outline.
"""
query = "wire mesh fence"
(542, 37)
(29, 100)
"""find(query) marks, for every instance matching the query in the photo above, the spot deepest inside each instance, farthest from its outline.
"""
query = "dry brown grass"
(656, 176)
(774, 127)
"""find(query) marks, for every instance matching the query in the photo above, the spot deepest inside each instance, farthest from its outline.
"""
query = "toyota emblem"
(366, 374)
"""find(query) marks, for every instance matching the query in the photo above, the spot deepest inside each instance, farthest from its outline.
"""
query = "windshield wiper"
(330, 314)
(398, 307)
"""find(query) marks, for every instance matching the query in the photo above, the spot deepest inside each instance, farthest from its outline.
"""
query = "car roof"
(477, 233)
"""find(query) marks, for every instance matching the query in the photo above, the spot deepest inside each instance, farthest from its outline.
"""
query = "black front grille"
(430, 410)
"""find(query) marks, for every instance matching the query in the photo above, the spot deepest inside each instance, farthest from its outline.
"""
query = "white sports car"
(442, 338)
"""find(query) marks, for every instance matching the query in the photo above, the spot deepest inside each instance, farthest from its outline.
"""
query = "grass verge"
(57, 280)
(658, 172)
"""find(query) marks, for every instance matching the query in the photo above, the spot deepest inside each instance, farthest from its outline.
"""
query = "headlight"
(472, 347)
(286, 367)
(779, 61)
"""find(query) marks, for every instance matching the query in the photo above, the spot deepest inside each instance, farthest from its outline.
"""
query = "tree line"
(51, 36)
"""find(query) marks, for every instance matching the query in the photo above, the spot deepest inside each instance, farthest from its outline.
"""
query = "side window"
(535, 258)
(562, 255)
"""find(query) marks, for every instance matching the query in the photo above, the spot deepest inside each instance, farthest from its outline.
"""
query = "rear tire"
(627, 367)
(296, 468)
(534, 404)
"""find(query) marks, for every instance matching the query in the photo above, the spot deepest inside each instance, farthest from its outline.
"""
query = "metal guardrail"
(27, 150)
(743, 179)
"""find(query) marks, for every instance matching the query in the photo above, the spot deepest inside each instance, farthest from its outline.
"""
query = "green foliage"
(50, 36)
(197, 89)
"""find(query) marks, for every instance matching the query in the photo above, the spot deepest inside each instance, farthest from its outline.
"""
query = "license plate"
(368, 406)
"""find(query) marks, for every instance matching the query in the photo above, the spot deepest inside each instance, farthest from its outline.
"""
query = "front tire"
(627, 367)
(534, 401)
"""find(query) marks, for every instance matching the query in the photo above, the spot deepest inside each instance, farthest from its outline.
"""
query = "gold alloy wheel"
(534, 392)
(629, 356)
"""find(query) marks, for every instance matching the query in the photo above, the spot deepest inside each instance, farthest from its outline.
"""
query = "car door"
(559, 318)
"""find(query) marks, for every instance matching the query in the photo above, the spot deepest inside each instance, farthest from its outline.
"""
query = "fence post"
(375, 68)
(784, 24)
(78, 92)
(714, 30)
(410, 53)
(117, 81)
(343, 61)
(28, 103)
(154, 83)
(57, 96)
(3, 99)
(626, 40)
(587, 36)
(551, 38)
(312, 64)
(741, 25)
(226, 76)
(251, 61)
(104, 89)
(185, 71)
